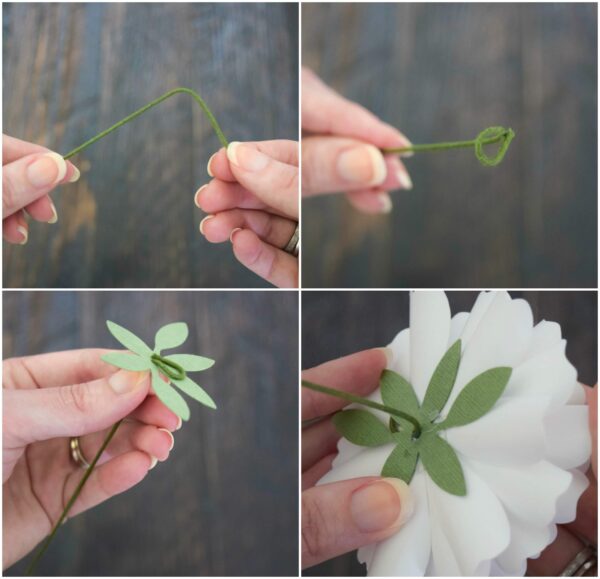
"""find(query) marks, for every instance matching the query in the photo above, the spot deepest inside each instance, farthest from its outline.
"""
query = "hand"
(340, 149)
(47, 400)
(253, 202)
(340, 517)
(29, 173)
(555, 558)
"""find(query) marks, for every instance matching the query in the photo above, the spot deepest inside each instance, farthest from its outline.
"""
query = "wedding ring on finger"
(293, 245)
(77, 454)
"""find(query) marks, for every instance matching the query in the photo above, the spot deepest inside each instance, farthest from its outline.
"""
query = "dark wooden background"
(336, 324)
(226, 501)
(72, 70)
(445, 72)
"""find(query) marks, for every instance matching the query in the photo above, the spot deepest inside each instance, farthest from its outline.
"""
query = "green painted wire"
(147, 107)
(489, 136)
(40, 553)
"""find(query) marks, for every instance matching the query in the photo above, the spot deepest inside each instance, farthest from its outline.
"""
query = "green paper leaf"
(402, 462)
(398, 393)
(169, 396)
(477, 397)
(127, 361)
(128, 339)
(170, 336)
(442, 465)
(192, 363)
(442, 381)
(192, 389)
(362, 428)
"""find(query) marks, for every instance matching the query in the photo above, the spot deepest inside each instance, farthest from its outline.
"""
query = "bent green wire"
(142, 110)
(489, 136)
(63, 517)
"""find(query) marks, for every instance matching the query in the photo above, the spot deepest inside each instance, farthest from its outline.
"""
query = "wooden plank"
(72, 70)
(445, 72)
(226, 501)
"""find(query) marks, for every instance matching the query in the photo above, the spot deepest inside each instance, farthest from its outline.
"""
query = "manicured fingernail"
(363, 164)
(23, 231)
(233, 233)
(203, 222)
(197, 196)
(75, 176)
(172, 438)
(246, 157)
(54, 217)
(179, 423)
(404, 179)
(381, 505)
(47, 170)
(124, 381)
(208, 169)
(153, 462)
(389, 355)
(385, 202)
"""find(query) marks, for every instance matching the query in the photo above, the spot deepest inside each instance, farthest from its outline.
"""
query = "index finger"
(13, 149)
(357, 373)
(324, 111)
(56, 369)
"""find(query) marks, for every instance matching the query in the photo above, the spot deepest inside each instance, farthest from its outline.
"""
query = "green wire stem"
(170, 368)
(365, 402)
(489, 136)
(141, 111)
(40, 553)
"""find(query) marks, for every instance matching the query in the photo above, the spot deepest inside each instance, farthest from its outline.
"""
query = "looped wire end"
(490, 136)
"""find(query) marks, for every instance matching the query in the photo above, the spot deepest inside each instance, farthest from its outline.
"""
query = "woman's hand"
(29, 173)
(341, 149)
(252, 201)
(340, 517)
(47, 400)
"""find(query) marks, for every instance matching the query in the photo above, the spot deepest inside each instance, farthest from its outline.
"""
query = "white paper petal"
(501, 339)
(413, 540)
(548, 374)
(512, 433)
(363, 464)
(457, 327)
(566, 506)
(568, 441)
(429, 331)
(400, 346)
(577, 395)
(478, 311)
(473, 528)
(544, 336)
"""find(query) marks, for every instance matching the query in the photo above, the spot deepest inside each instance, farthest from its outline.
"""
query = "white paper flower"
(521, 460)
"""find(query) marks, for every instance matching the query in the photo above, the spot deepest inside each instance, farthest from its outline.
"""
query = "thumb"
(42, 414)
(341, 517)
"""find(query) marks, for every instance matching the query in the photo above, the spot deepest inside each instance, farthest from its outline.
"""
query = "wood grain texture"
(335, 324)
(72, 70)
(445, 72)
(226, 501)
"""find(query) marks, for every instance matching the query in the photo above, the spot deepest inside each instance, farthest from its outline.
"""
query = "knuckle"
(79, 397)
(9, 196)
(314, 529)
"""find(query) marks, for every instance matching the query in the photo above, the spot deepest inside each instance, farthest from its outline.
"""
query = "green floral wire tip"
(160, 99)
(489, 136)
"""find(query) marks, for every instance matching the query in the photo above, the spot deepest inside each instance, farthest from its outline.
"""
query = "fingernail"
(196, 196)
(233, 233)
(381, 505)
(385, 202)
(246, 157)
(208, 169)
(124, 381)
(179, 423)
(404, 179)
(54, 217)
(172, 438)
(153, 462)
(75, 176)
(23, 231)
(389, 355)
(363, 164)
(203, 221)
(47, 170)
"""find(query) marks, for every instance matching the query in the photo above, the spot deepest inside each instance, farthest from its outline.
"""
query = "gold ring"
(293, 245)
(77, 454)
(581, 563)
